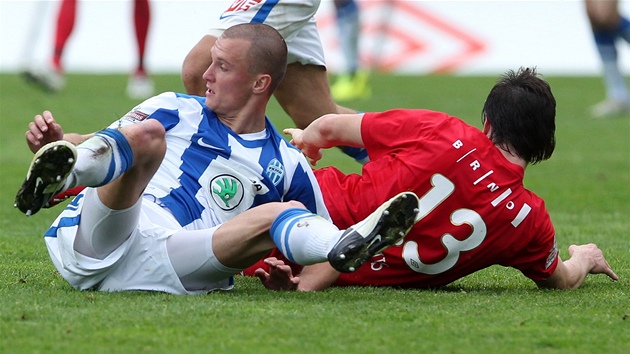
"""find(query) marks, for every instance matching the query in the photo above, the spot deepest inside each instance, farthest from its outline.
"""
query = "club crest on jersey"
(227, 191)
(275, 171)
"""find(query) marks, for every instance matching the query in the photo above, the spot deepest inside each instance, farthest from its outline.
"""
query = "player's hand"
(43, 130)
(312, 152)
(280, 276)
(599, 265)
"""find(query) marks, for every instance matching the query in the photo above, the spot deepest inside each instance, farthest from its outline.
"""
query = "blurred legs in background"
(52, 78)
(353, 83)
(608, 26)
(140, 85)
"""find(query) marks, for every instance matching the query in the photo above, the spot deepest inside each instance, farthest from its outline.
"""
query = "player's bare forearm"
(325, 132)
(569, 274)
(280, 277)
(584, 260)
(335, 130)
(317, 277)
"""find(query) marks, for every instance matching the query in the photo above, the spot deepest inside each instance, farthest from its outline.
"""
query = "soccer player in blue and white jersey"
(304, 93)
(185, 191)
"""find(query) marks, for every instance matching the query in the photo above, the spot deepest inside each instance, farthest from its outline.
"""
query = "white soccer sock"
(613, 78)
(303, 237)
(101, 159)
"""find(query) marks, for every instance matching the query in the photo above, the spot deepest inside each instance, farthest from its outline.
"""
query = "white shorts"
(292, 18)
(140, 263)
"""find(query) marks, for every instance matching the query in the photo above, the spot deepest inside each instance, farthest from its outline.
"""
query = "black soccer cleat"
(383, 228)
(46, 176)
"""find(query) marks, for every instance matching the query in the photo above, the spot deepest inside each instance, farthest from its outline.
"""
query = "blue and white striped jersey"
(210, 174)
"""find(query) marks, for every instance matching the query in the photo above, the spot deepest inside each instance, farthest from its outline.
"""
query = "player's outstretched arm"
(280, 277)
(328, 131)
(584, 260)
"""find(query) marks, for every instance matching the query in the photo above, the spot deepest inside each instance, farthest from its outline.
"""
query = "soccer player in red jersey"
(474, 210)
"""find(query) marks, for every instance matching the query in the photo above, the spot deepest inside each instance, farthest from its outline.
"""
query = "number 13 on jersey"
(441, 190)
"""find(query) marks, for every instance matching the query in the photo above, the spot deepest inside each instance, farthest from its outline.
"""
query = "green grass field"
(586, 185)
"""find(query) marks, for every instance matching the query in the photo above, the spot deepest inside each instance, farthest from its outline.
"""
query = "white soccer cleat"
(610, 108)
(49, 80)
(386, 226)
(139, 87)
(46, 176)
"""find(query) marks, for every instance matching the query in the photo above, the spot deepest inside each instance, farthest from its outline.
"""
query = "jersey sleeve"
(539, 258)
(163, 107)
(385, 132)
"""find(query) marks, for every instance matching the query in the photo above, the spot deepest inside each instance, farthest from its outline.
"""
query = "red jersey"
(474, 210)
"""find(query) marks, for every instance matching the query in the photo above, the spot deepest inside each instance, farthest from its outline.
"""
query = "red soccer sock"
(65, 25)
(141, 21)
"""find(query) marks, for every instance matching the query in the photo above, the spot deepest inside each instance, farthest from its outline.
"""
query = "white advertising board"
(404, 36)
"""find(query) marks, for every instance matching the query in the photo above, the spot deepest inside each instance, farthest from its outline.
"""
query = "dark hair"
(267, 52)
(522, 110)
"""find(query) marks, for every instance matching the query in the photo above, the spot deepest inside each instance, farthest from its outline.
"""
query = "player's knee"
(154, 136)
(272, 210)
(152, 129)
(293, 204)
(147, 138)
(603, 21)
(602, 25)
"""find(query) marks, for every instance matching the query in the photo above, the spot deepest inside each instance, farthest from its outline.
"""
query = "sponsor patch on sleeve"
(553, 253)
(135, 116)
(240, 5)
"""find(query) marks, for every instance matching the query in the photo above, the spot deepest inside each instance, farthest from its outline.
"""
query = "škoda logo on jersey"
(227, 191)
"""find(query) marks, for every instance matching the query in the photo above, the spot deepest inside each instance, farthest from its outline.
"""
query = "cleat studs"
(404, 196)
(351, 269)
(386, 212)
(342, 256)
(58, 178)
(28, 213)
(37, 161)
(15, 205)
(70, 160)
(400, 233)
(416, 210)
